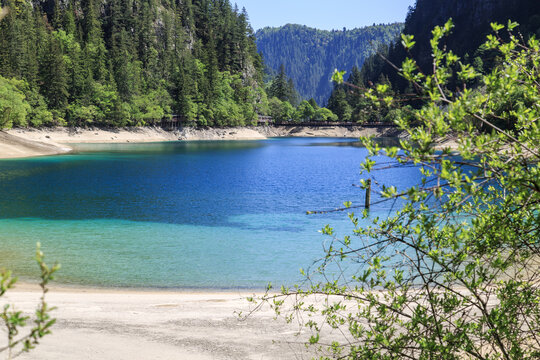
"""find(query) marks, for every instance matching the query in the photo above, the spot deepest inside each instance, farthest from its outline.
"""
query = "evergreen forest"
(472, 21)
(128, 63)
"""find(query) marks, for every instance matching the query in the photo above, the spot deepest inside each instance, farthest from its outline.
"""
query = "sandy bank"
(234, 133)
(263, 132)
(16, 147)
(328, 131)
(149, 134)
(23, 142)
(118, 324)
(64, 135)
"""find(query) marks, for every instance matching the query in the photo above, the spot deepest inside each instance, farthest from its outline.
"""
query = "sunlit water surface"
(218, 215)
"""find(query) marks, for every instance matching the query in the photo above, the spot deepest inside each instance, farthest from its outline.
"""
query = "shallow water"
(183, 215)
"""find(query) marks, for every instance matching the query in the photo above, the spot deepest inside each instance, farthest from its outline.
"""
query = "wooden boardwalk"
(333, 123)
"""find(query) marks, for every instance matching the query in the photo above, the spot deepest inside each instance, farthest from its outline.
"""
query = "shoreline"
(26, 285)
(59, 288)
(30, 142)
(135, 324)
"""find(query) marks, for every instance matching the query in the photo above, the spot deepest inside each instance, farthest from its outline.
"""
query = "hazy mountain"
(311, 55)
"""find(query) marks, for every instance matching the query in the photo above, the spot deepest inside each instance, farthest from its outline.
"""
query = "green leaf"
(407, 41)
(496, 27)
(337, 76)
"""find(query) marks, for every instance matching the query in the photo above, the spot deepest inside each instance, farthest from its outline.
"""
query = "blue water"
(181, 215)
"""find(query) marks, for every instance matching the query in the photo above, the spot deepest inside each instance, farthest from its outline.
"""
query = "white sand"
(117, 324)
(16, 147)
(88, 135)
(235, 133)
(23, 142)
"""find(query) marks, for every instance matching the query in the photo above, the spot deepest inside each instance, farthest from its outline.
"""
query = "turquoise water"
(181, 215)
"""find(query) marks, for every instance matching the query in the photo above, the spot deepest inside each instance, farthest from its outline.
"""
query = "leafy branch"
(14, 320)
(453, 272)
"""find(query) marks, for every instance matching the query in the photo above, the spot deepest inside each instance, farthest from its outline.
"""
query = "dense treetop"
(128, 62)
(310, 55)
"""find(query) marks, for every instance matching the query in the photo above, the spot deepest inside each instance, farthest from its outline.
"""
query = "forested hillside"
(472, 19)
(310, 55)
(128, 62)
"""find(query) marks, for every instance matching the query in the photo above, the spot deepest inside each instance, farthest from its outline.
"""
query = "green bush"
(13, 105)
(324, 114)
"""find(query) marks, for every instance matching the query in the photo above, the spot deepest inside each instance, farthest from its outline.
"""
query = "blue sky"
(324, 14)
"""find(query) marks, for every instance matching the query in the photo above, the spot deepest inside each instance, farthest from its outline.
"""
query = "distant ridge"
(310, 55)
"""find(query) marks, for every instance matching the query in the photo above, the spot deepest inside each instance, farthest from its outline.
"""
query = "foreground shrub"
(454, 273)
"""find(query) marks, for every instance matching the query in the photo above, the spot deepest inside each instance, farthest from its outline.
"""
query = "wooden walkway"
(332, 123)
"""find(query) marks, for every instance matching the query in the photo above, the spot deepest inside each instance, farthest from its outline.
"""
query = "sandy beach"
(29, 142)
(13, 146)
(137, 324)
(353, 132)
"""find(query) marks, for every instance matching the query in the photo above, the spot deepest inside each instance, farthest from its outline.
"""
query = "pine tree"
(283, 88)
(338, 104)
(133, 61)
(95, 52)
(54, 77)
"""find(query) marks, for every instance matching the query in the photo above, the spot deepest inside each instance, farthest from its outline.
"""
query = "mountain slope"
(472, 19)
(310, 55)
(128, 62)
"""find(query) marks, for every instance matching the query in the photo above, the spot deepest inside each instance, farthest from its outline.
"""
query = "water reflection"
(165, 147)
(382, 141)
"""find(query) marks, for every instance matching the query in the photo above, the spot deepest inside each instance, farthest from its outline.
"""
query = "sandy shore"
(329, 131)
(235, 133)
(123, 324)
(64, 135)
(23, 142)
(12, 146)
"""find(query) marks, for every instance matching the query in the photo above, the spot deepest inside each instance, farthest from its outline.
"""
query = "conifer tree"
(132, 61)
(283, 88)
(53, 76)
(94, 47)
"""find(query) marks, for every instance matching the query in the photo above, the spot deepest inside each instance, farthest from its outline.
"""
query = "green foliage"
(355, 102)
(304, 111)
(39, 115)
(280, 111)
(13, 105)
(282, 87)
(339, 105)
(14, 320)
(150, 108)
(453, 272)
(283, 111)
(337, 77)
(324, 114)
(93, 62)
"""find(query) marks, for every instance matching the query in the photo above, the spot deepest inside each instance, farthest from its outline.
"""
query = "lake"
(209, 215)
